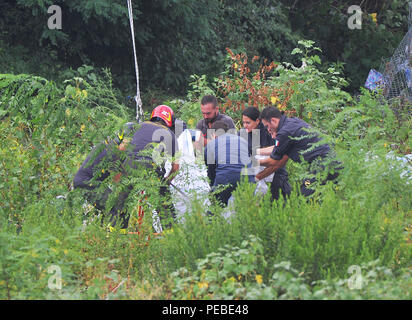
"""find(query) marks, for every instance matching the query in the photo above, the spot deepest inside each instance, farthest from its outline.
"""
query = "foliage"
(358, 50)
(174, 39)
(234, 273)
(229, 273)
(371, 200)
(45, 132)
(304, 91)
(254, 249)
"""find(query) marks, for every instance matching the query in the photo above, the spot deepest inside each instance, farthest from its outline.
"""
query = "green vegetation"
(175, 39)
(295, 250)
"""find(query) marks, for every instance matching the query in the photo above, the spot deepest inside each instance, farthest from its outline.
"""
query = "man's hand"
(175, 168)
(123, 145)
(276, 164)
(116, 178)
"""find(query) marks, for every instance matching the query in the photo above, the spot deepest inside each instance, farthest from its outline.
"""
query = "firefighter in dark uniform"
(140, 137)
(293, 141)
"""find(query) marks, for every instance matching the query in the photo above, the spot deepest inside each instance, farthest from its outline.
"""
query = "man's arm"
(171, 175)
(201, 142)
(271, 166)
(265, 173)
(264, 151)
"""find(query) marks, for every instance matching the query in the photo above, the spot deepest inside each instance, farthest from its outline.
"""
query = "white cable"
(139, 110)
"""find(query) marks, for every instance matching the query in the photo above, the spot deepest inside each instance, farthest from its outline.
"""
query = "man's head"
(209, 107)
(270, 118)
(220, 128)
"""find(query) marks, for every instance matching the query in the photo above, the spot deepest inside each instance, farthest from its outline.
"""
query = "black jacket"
(293, 139)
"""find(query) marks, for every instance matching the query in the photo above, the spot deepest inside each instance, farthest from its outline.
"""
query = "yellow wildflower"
(310, 115)
(274, 100)
(259, 279)
(374, 17)
(168, 231)
(82, 127)
(191, 122)
(84, 93)
(202, 285)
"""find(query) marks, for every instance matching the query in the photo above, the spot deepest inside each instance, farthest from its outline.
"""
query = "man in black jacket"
(293, 140)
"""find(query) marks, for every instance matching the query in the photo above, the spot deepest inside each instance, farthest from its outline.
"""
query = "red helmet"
(165, 113)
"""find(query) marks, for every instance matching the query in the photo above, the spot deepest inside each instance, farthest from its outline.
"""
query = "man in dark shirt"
(210, 111)
(293, 140)
(143, 136)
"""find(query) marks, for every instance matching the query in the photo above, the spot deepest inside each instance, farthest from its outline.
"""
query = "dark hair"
(270, 112)
(209, 99)
(220, 127)
(252, 113)
(158, 120)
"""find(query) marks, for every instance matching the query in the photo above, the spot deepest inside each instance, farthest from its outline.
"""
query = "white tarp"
(191, 178)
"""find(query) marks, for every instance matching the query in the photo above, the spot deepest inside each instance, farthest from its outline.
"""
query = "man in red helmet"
(157, 130)
(150, 142)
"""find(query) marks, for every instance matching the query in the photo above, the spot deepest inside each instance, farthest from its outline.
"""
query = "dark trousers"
(167, 211)
(117, 213)
(305, 187)
(224, 196)
(280, 184)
